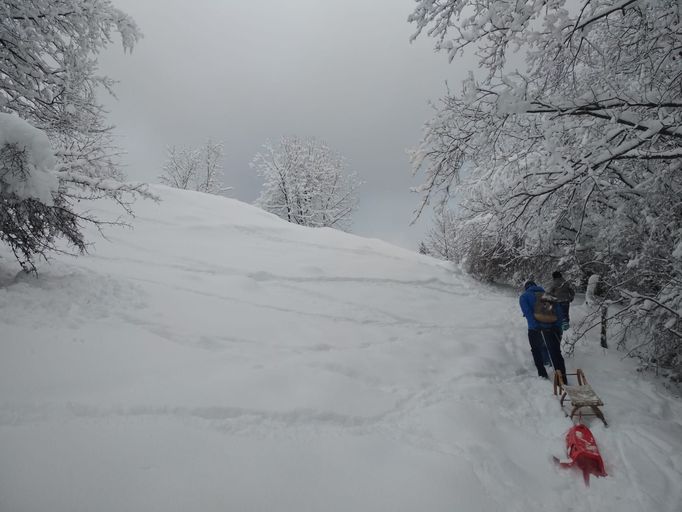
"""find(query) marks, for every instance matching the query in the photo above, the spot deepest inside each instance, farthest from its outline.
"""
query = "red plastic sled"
(582, 451)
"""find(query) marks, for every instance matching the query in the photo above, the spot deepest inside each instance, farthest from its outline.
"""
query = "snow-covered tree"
(209, 177)
(576, 157)
(48, 77)
(197, 169)
(306, 182)
(181, 167)
(440, 240)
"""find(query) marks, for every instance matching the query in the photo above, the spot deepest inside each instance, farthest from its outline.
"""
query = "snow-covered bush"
(48, 77)
(306, 182)
(32, 211)
(574, 160)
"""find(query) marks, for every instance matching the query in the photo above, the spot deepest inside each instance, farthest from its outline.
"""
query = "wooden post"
(593, 297)
(604, 316)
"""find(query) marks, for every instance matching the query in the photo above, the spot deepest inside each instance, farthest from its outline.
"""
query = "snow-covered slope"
(215, 358)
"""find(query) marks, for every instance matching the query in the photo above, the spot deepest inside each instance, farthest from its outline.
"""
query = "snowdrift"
(216, 358)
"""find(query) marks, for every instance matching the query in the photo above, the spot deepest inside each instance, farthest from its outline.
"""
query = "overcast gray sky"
(243, 72)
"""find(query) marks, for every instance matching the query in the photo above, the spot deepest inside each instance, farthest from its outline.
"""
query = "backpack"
(543, 311)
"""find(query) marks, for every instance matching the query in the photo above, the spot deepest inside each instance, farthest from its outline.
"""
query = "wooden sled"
(579, 396)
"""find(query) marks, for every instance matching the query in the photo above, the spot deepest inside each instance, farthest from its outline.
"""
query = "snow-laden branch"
(108, 186)
(628, 118)
(603, 13)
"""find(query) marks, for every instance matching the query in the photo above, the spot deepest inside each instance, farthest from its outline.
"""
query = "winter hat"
(529, 284)
(556, 274)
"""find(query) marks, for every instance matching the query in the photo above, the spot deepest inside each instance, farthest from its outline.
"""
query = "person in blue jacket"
(541, 334)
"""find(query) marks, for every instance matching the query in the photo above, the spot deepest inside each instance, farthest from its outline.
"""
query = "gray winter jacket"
(562, 290)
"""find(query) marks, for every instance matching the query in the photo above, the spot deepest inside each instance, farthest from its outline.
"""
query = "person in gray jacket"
(563, 293)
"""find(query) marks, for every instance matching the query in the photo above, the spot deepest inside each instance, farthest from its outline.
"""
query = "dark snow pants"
(552, 339)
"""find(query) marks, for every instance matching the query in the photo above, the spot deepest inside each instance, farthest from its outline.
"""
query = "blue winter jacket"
(527, 303)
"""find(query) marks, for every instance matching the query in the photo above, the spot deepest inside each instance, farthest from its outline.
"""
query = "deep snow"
(216, 358)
